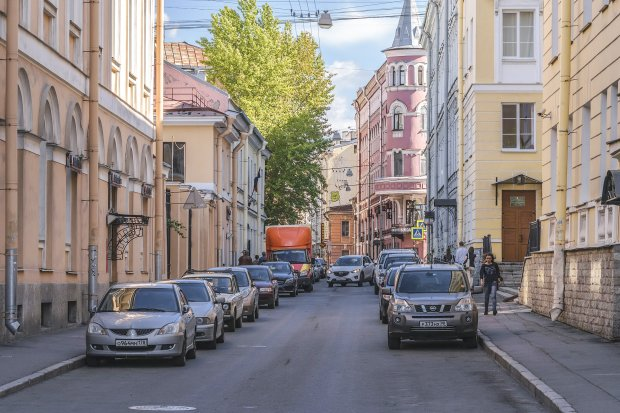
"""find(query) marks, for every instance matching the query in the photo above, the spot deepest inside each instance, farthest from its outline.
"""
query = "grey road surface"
(324, 351)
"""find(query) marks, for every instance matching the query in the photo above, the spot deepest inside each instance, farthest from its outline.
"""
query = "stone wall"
(591, 290)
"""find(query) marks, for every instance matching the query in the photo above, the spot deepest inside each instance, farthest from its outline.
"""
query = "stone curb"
(543, 393)
(42, 375)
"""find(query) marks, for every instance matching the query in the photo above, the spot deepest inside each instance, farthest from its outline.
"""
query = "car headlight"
(355, 271)
(401, 306)
(466, 304)
(94, 328)
(304, 273)
(172, 328)
(266, 290)
(226, 306)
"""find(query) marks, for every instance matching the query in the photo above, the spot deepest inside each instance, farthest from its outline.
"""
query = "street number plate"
(433, 323)
(132, 343)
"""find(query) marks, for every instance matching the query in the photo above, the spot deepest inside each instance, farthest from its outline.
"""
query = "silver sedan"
(207, 310)
(142, 320)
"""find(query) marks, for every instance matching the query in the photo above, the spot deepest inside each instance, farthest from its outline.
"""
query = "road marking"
(162, 408)
(246, 346)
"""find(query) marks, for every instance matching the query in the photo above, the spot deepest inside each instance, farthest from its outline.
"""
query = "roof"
(340, 208)
(408, 29)
(184, 54)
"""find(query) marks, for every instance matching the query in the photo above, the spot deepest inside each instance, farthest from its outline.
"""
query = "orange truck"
(293, 244)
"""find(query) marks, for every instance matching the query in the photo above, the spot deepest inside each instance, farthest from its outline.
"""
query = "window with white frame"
(397, 158)
(393, 76)
(397, 119)
(587, 13)
(518, 126)
(24, 12)
(422, 165)
(585, 154)
(555, 34)
(49, 23)
(582, 228)
(344, 228)
(518, 34)
(423, 120)
(554, 159)
(606, 224)
(401, 75)
(603, 139)
(420, 75)
(551, 232)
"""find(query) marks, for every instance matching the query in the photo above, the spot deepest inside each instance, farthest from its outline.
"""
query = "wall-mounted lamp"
(325, 20)
(544, 114)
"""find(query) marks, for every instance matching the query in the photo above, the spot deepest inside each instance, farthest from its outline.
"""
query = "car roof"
(256, 266)
(209, 274)
(424, 267)
(142, 285)
(236, 267)
(183, 281)
(352, 255)
(276, 262)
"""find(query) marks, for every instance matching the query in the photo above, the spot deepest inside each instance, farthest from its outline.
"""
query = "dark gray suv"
(431, 303)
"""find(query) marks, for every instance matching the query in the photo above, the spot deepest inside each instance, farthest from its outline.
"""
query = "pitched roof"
(184, 54)
(408, 26)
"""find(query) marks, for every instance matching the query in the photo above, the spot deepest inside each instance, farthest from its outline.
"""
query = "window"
(398, 163)
(553, 172)
(603, 139)
(345, 228)
(174, 155)
(49, 24)
(24, 12)
(423, 165)
(555, 35)
(587, 13)
(518, 34)
(585, 154)
(401, 75)
(518, 126)
(583, 227)
(423, 120)
(420, 75)
(605, 224)
(393, 76)
(75, 45)
(397, 119)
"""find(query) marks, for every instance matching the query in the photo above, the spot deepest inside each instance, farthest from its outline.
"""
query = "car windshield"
(396, 264)
(279, 267)
(391, 277)
(431, 281)
(242, 279)
(140, 299)
(292, 256)
(348, 261)
(259, 274)
(398, 258)
(195, 292)
(221, 285)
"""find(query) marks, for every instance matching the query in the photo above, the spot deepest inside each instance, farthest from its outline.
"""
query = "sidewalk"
(565, 368)
(30, 360)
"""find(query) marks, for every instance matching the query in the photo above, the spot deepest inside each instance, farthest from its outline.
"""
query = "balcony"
(400, 185)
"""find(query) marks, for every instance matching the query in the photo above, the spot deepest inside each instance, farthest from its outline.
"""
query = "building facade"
(54, 164)
(340, 226)
(588, 286)
(391, 117)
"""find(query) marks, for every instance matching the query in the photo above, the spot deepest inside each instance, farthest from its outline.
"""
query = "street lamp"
(325, 20)
(429, 218)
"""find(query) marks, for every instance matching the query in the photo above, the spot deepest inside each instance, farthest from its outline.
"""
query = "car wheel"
(272, 304)
(343, 284)
(220, 339)
(278, 301)
(372, 280)
(376, 290)
(179, 360)
(308, 288)
(393, 342)
(232, 326)
(239, 322)
(330, 285)
(360, 282)
(252, 317)
(471, 342)
(256, 312)
(384, 319)
(212, 345)
(92, 361)
(191, 354)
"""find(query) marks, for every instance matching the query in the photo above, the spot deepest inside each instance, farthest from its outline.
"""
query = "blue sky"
(351, 48)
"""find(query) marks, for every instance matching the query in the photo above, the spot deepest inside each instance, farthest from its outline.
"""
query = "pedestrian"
(448, 256)
(245, 258)
(262, 258)
(256, 260)
(490, 279)
(460, 256)
(471, 266)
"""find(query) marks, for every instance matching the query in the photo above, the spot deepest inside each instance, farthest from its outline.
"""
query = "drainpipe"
(246, 198)
(12, 54)
(93, 157)
(461, 131)
(359, 177)
(235, 195)
(381, 168)
(557, 266)
(369, 220)
(219, 189)
(446, 83)
(159, 138)
(259, 155)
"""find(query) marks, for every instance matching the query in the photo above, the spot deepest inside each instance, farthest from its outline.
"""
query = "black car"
(268, 289)
(285, 275)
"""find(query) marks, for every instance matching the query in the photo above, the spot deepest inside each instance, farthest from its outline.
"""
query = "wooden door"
(518, 210)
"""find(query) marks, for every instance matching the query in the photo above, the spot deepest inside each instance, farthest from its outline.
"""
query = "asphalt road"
(324, 351)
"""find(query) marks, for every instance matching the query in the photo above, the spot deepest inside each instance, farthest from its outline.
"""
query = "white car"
(379, 271)
(351, 269)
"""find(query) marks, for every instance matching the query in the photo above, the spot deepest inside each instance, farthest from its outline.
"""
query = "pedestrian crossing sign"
(420, 223)
(417, 233)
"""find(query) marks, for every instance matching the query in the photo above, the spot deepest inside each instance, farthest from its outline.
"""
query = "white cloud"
(348, 77)
(346, 33)
(169, 34)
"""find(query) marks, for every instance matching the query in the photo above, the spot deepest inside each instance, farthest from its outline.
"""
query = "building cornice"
(193, 120)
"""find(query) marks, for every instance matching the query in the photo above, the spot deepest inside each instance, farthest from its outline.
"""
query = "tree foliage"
(280, 82)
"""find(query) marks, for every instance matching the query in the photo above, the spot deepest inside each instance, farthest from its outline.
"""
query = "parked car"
(384, 299)
(382, 256)
(224, 285)
(142, 320)
(207, 309)
(350, 269)
(319, 268)
(268, 290)
(286, 277)
(431, 302)
(390, 258)
(248, 290)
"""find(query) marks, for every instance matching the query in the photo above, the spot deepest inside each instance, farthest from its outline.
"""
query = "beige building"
(54, 165)
(588, 286)
(211, 147)
(502, 133)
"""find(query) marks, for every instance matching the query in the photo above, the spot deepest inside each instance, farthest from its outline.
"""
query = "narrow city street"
(323, 351)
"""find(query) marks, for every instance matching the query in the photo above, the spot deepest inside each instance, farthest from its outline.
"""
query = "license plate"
(132, 343)
(433, 323)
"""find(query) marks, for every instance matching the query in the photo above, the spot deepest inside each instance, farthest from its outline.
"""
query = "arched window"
(401, 75)
(393, 76)
(420, 75)
(397, 119)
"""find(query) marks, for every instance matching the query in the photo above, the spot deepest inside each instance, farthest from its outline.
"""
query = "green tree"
(280, 82)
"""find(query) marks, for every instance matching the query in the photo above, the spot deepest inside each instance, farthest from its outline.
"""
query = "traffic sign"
(417, 233)
(420, 223)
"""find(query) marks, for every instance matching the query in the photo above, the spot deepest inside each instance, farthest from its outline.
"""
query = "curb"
(42, 375)
(541, 392)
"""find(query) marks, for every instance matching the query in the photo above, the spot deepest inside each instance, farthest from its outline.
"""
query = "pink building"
(391, 123)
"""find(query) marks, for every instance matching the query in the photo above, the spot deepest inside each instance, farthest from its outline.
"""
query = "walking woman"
(490, 278)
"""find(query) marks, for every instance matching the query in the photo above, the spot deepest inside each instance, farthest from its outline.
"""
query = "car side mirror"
(253, 284)
(186, 308)
(386, 291)
(274, 282)
(220, 300)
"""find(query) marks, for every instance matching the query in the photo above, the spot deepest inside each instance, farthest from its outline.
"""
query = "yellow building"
(53, 163)
(587, 288)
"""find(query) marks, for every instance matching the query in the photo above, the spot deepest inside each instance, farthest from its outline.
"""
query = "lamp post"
(429, 218)
(325, 20)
